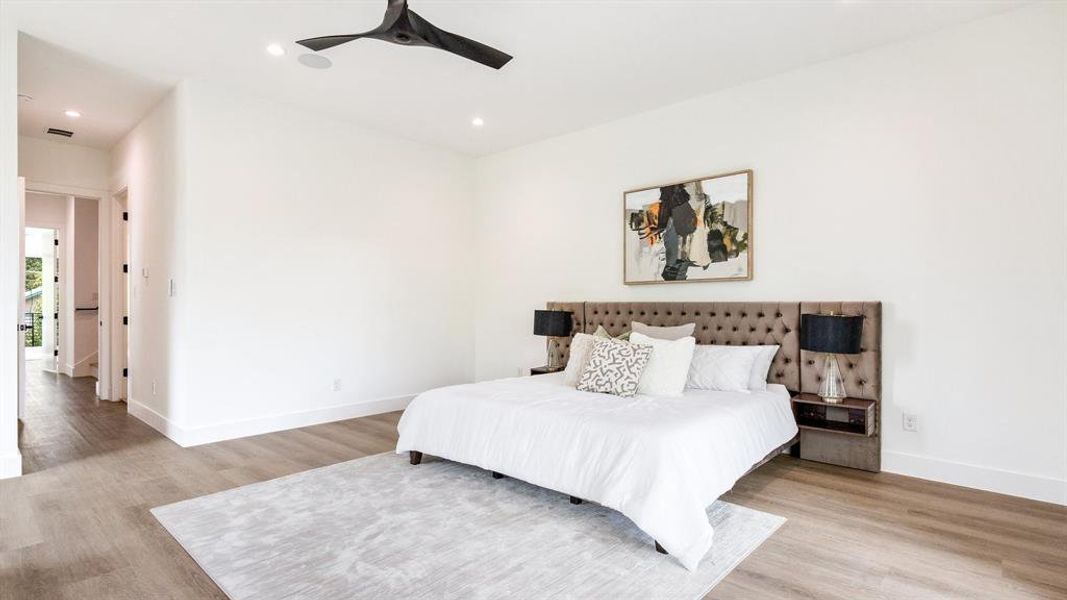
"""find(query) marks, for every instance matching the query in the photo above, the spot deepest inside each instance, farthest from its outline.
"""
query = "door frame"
(118, 298)
(61, 257)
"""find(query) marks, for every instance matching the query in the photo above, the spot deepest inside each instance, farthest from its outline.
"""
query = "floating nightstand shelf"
(850, 416)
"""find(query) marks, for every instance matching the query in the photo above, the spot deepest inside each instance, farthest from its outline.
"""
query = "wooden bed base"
(793, 445)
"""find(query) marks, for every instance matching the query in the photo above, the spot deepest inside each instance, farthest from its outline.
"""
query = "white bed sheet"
(658, 460)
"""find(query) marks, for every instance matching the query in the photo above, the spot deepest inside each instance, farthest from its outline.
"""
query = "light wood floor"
(77, 525)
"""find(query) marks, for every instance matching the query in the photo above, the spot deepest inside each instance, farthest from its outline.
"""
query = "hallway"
(65, 422)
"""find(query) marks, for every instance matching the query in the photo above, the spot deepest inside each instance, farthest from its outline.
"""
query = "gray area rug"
(378, 527)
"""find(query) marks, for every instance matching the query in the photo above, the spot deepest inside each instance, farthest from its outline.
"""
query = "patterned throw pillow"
(614, 367)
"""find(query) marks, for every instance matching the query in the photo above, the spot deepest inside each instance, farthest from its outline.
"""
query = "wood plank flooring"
(77, 525)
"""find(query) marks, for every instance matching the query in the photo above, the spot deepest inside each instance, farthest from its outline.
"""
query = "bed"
(658, 460)
(648, 457)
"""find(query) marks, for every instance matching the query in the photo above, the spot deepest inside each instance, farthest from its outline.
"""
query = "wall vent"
(62, 132)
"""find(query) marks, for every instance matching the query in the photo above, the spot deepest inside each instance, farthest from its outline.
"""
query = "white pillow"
(676, 332)
(722, 368)
(581, 348)
(762, 365)
(667, 369)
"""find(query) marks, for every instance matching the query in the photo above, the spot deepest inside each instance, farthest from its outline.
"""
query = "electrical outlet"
(337, 385)
(911, 422)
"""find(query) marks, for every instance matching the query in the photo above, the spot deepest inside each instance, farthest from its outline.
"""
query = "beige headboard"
(743, 323)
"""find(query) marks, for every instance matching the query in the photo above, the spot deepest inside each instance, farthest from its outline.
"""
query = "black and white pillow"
(614, 367)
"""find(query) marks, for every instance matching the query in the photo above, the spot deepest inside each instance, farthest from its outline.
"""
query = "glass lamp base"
(832, 389)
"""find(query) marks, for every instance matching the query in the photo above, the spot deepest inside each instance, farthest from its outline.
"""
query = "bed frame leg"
(497, 475)
(575, 500)
(415, 457)
(660, 548)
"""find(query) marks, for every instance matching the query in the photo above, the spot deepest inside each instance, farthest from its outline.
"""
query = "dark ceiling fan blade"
(393, 12)
(403, 26)
(328, 41)
(457, 44)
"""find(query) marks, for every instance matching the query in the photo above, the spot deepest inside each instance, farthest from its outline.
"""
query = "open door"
(120, 299)
(22, 299)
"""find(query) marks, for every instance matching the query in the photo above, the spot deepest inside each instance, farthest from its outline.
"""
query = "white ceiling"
(577, 63)
(111, 100)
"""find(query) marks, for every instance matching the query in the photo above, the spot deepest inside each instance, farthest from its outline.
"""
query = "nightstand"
(545, 370)
(842, 434)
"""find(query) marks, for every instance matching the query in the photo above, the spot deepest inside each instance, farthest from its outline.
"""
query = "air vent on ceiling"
(62, 132)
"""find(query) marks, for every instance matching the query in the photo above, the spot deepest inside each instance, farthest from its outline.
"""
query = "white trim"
(155, 420)
(1025, 485)
(196, 436)
(64, 190)
(82, 368)
(10, 465)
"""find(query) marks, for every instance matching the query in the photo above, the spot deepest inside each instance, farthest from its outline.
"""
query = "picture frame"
(691, 231)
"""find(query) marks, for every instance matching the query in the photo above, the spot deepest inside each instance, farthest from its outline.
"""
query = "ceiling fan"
(403, 26)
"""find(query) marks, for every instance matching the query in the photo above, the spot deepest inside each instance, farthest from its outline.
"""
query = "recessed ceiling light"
(275, 50)
(72, 114)
(477, 121)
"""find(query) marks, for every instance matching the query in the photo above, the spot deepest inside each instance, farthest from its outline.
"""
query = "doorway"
(41, 304)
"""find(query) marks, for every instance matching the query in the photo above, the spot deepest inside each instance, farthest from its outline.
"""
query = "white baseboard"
(154, 420)
(10, 465)
(195, 436)
(1025, 485)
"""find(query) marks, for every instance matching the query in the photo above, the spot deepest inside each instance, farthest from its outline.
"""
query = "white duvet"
(658, 460)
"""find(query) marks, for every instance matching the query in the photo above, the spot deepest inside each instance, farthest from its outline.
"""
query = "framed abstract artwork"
(697, 230)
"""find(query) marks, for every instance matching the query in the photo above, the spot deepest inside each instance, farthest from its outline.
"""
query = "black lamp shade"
(834, 334)
(554, 323)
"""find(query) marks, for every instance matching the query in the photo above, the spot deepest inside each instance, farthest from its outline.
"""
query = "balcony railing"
(34, 326)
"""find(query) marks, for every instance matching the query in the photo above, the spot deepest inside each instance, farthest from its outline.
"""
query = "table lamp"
(552, 323)
(832, 335)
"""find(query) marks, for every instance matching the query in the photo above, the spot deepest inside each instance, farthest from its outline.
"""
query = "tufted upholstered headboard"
(744, 323)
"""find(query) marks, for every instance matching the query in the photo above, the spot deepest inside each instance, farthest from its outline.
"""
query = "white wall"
(150, 164)
(85, 245)
(278, 209)
(928, 175)
(63, 164)
(46, 210)
(11, 288)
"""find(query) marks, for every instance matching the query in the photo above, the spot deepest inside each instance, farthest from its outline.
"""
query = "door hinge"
(125, 216)
(125, 268)
(125, 372)
(55, 241)
(125, 320)
(55, 279)
(55, 315)
(55, 352)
